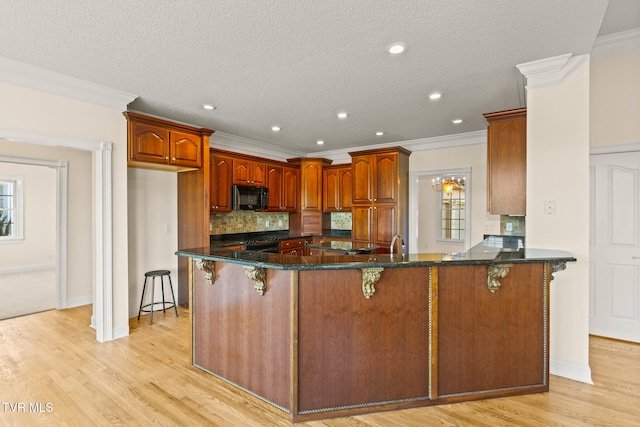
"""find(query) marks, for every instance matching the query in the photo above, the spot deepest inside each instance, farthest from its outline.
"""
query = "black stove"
(268, 244)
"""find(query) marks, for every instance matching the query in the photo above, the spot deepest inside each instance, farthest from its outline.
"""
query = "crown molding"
(238, 144)
(422, 144)
(551, 71)
(617, 43)
(32, 77)
(252, 147)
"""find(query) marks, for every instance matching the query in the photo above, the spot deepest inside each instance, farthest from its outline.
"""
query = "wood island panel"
(358, 351)
(492, 341)
(242, 336)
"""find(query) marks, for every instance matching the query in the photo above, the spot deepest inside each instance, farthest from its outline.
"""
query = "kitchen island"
(327, 336)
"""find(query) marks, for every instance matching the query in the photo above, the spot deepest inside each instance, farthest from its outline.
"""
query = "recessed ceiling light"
(379, 133)
(396, 48)
(320, 142)
(435, 95)
(208, 107)
(456, 121)
(342, 115)
(275, 128)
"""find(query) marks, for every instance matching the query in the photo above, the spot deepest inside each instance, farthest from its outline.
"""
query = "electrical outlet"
(279, 223)
(509, 226)
(488, 226)
(266, 223)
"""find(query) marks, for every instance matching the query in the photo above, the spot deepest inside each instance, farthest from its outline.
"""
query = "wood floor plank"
(51, 360)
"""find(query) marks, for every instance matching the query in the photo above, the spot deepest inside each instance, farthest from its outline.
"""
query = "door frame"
(102, 317)
(610, 149)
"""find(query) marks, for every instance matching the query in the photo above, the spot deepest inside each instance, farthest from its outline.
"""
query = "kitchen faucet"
(393, 242)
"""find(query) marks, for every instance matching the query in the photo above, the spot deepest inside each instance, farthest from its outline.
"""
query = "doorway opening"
(437, 223)
(30, 277)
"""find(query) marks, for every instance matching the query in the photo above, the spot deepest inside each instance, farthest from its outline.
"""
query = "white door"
(614, 246)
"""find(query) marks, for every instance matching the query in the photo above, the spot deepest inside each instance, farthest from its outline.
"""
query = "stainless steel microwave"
(250, 198)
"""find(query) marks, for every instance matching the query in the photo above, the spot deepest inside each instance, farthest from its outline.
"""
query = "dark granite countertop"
(221, 240)
(346, 247)
(482, 253)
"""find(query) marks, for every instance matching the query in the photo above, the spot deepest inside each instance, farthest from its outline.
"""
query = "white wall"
(558, 169)
(153, 223)
(468, 156)
(36, 111)
(615, 100)
(80, 219)
(37, 250)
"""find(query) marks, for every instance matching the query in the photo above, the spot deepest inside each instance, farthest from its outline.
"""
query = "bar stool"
(143, 308)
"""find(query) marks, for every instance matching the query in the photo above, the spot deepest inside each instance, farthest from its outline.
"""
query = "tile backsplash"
(341, 220)
(517, 225)
(247, 221)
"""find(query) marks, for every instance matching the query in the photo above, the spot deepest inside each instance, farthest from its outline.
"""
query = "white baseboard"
(25, 268)
(78, 301)
(120, 331)
(570, 370)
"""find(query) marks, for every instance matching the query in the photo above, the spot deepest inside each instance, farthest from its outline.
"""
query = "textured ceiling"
(297, 63)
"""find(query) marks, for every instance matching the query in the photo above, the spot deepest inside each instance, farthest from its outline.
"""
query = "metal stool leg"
(164, 308)
(175, 306)
(153, 288)
(144, 288)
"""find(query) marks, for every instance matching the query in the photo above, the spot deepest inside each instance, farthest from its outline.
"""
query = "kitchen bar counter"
(479, 254)
(331, 336)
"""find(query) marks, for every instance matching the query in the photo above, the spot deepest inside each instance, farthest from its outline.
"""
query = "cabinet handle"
(174, 159)
(166, 158)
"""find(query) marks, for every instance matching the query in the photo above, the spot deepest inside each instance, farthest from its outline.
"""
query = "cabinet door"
(274, 185)
(384, 225)
(362, 167)
(185, 149)
(258, 174)
(312, 181)
(290, 189)
(331, 190)
(345, 188)
(507, 165)
(385, 178)
(361, 223)
(221, 183)
(247, 172)
(149, 143)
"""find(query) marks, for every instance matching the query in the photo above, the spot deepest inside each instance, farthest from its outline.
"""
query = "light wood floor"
(50, 362)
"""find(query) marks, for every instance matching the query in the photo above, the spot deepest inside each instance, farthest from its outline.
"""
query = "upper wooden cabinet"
(507, 162)
(282, 183)
(221, 176)
(336, 188)
(159, 144)
(249, 172)
(308, 219)
(375, 177)
(380, 195)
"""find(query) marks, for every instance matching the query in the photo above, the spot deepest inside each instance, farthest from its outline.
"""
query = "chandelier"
(447, 186)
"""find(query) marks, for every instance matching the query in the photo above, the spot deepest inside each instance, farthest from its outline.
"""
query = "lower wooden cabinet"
(293, 246)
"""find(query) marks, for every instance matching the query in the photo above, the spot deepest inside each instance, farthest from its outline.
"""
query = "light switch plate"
(549, 207)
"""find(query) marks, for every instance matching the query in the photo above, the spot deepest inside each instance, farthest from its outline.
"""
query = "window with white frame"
(10, 209)
(451, 216)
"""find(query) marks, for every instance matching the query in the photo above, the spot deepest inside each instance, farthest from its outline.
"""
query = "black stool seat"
(149, 308)
(157, 273)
